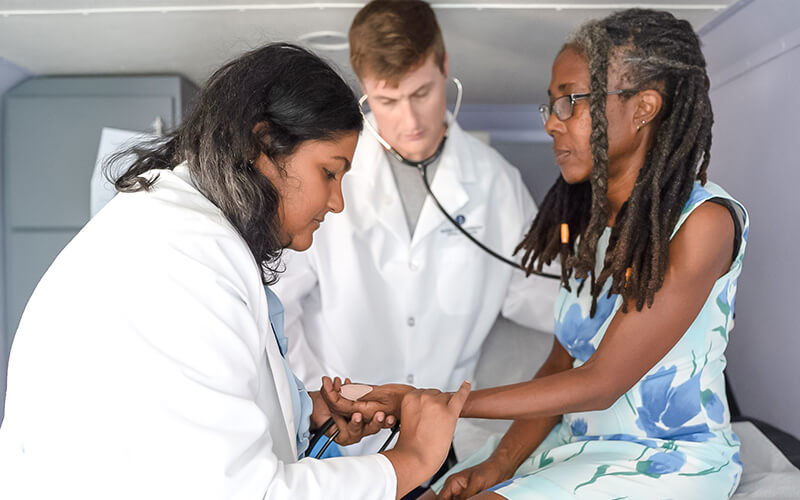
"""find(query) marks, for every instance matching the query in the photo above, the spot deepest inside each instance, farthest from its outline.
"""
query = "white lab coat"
(144, 367)
(370, 302)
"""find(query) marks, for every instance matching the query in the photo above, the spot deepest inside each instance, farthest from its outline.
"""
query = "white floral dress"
(669, 436)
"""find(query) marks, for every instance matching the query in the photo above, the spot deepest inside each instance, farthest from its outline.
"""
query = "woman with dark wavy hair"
(149, 360)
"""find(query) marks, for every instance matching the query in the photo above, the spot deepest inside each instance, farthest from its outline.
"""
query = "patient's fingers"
(332, 398)
(452, 487)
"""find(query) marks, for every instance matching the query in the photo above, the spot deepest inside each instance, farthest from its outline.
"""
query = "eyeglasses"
(563, 106)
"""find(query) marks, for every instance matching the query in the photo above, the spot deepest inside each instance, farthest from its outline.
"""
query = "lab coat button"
(386, 200)
(410, 378)
(410, 321)
(413, 267)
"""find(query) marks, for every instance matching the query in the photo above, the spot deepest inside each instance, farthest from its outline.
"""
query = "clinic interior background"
(502, 52)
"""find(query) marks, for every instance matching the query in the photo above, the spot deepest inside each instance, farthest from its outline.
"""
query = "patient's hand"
(352, 425)
(382, 399)
(471, 481)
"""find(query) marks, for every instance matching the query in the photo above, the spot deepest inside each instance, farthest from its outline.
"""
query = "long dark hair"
(296, 95)
(656, 51)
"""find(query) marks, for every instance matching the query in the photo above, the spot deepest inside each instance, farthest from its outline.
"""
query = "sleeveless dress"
(669, 436)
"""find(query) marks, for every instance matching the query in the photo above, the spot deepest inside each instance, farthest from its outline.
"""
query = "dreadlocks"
(655, 51)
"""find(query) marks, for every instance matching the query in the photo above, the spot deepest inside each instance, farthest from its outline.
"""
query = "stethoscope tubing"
(422, 167)
(327, 426)
(423, 170)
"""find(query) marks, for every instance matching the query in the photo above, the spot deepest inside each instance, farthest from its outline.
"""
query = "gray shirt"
(412, 189)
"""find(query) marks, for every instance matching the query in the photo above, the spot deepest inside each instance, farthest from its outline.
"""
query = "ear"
(446, 65)
(648, 105)
(260, 128)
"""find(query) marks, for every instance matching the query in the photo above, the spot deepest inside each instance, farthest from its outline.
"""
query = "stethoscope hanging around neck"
(388, 147)
(422, 168)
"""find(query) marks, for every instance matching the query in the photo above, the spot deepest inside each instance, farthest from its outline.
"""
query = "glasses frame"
(545, 110)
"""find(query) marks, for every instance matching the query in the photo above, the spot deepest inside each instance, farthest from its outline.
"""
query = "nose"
(336, 198)
(408, 115)
(553, 125)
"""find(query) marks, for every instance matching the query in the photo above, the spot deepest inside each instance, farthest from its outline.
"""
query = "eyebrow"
(423, 88)
(346, 162)
(562, 87)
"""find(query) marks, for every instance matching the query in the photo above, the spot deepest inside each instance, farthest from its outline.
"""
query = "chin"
(300, 245)
(575, 176)
(416, 151)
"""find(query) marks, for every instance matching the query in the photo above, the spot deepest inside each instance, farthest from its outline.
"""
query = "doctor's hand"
(383, 399)
(428, 420)
(471, 481)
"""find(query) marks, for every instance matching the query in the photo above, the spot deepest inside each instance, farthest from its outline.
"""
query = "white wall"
(10, 75)
(517, 132)
(753, 52)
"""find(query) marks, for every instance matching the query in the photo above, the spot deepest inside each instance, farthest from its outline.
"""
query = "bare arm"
(525, 435)
(518, 443)
(699, 254)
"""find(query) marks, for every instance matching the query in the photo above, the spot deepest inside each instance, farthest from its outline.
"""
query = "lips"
(561, 155)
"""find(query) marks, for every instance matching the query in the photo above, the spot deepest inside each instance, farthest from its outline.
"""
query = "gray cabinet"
(52, 133)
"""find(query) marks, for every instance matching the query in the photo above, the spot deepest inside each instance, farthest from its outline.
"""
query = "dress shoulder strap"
(714, 193)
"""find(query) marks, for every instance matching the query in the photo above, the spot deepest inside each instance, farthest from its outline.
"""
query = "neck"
(426, 154)
(619, 190)
(622, 174)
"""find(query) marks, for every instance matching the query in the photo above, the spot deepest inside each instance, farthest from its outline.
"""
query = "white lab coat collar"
(372, 173)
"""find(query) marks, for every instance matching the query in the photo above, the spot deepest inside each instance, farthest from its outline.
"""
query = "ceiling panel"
(502, 55)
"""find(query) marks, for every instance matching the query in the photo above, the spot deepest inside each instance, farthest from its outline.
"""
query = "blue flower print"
(661, 463)
(713, 405)
(633, 439)
(698, 194)
(732, 301)
(578, 427)
(665, 409)
(725, 308)
(575, 332)
(722, 301)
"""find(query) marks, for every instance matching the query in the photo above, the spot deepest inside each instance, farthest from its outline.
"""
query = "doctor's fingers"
(454, 402)
(458, 399)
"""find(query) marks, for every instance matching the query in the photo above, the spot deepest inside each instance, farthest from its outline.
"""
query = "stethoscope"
(422, 168)
(327, 426)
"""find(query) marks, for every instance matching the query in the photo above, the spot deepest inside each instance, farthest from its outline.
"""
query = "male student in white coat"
(391, 291)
